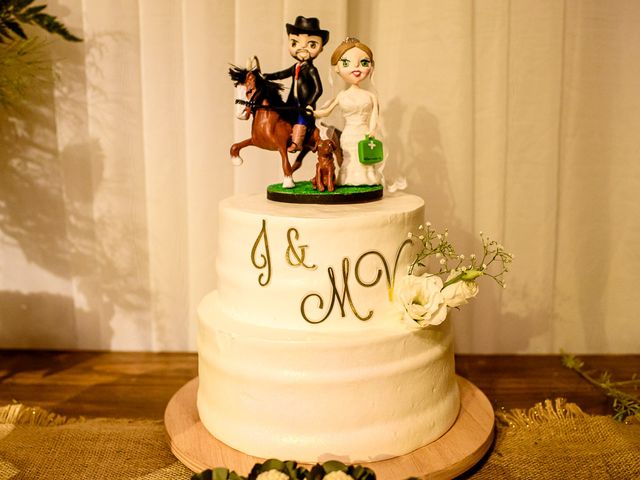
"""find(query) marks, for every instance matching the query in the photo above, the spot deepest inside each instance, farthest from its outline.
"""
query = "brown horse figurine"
(271, 128)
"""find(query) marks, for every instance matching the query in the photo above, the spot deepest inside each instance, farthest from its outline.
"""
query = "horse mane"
(238, 75)
(267, 89)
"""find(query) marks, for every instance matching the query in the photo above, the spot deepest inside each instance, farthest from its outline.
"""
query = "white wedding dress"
(356, 106)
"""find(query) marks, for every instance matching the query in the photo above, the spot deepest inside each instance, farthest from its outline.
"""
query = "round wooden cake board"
(455, 452)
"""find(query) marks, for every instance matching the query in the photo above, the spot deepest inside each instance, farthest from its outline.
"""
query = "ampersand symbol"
(295, 255)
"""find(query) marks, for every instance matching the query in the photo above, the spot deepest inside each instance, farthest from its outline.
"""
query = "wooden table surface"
(139, 385)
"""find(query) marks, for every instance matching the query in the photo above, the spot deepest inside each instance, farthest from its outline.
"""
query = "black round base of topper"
(303, 192)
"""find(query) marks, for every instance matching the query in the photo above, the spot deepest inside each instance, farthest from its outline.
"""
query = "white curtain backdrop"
(515, 117)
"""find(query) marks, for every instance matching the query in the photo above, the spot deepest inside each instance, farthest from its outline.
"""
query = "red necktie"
(297, 70)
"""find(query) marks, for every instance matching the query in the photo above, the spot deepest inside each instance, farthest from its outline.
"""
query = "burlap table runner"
(552, 440)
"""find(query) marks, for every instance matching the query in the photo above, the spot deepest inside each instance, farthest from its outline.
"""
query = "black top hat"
(310, 26)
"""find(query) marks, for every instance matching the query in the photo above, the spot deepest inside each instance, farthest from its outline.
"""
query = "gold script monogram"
(264, 262)
(295, 256)
(390, 276)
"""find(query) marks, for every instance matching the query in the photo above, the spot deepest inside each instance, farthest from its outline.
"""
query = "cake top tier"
(310, 267)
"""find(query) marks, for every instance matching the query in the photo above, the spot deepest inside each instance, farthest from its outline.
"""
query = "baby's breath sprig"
(494, 263)
(433, 244)
(494, 253)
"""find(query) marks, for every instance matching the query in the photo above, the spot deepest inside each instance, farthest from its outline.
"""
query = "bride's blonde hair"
(347, 45)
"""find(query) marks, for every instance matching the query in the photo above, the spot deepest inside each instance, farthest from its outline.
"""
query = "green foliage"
(22, 66)
(624, 404)
(357, 472)
(290, 468)
(14, 14)
(217, 474)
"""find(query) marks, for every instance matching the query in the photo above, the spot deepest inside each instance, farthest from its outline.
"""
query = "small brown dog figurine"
(325, 169)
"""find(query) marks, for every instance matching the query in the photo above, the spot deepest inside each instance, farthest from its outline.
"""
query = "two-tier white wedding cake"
(302, 354)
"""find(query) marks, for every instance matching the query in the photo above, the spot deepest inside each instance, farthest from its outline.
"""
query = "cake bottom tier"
(310, 397)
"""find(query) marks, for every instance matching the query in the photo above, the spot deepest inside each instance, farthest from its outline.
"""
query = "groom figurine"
(306, 41)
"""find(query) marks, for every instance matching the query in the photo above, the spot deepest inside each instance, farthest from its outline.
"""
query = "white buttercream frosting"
(272, 384)
(323, 236)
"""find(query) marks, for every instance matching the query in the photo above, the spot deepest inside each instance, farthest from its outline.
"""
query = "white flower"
(420, 300)
(460, 292)
(272, 475)
(337, 475)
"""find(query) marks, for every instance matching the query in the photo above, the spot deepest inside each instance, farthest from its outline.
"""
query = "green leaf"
(358, 472)
(15, 28)
(36, 9)
(289, 468)
(219, 473)
(334, 466)
(204, 475)
(272, 464)
(13, 13)
(470, 275)
(21, 4)
(316, 473)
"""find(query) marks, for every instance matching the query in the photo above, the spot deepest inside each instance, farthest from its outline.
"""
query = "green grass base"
(303, 192)
(305, 188)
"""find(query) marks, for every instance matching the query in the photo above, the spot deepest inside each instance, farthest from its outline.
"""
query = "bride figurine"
(353, 61)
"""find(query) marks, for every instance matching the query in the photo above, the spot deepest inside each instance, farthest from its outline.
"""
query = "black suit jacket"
(309, 86)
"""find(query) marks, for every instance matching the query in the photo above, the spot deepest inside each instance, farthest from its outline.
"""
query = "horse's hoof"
(288, 182)
(237, 161)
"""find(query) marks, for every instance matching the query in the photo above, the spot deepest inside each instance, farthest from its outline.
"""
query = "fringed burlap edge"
(19, 414)
(540, 413)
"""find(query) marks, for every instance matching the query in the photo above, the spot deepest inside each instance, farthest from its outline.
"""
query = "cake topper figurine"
(270, 130)
(361, 152)
(278, 125)
(305, 41)
(325, 168)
